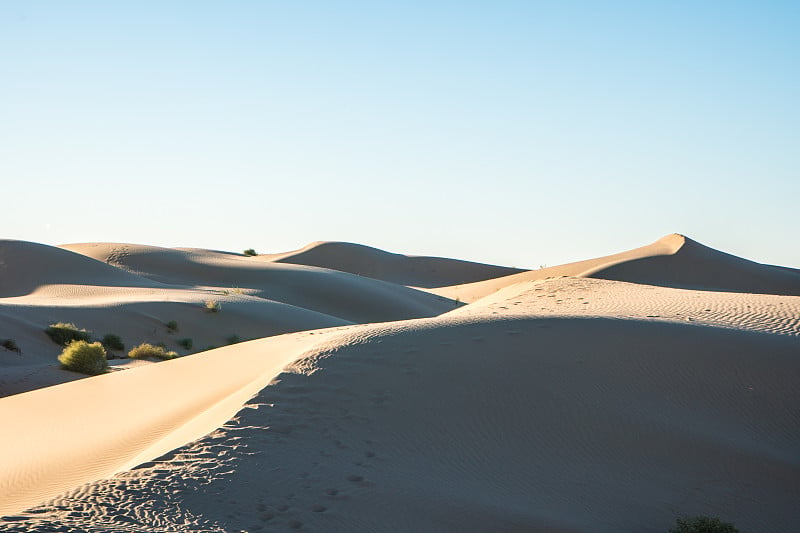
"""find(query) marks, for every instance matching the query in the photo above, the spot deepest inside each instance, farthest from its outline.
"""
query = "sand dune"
(570, 404)
(42, 285)
(25, 266)
(672, 261)
(416, 271)
(136, 315)
(340, 294)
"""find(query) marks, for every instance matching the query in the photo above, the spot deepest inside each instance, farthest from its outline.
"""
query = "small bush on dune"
(112, 342)
(172, 326)
(80, 356)
(147, 351)
(10, 345)
(250, 252)
(233, 339)
(703, 524)
(185, 343)
(212, 306)
(63, 333)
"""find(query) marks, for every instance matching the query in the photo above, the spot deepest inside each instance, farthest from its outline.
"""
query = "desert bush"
(172, 326)
(703, 524)
(64, 333)
(212, 306)
(80, 356)
(147, 350)
(233, 339)
(250, 252)
(185, 343)
(112, 342)
(10, 345)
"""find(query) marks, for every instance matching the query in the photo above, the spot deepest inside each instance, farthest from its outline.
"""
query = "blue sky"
(521, 133)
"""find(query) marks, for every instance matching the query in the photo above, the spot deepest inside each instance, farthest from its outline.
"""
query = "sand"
(672, 261)
(415, 271)
(573, 402)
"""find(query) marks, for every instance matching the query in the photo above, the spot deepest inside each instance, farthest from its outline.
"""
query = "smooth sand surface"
(133, 291)
(672, 261)
(340, 294)
(416, 271)
(571, 404)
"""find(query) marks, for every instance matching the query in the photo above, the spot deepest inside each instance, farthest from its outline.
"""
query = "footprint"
(294, 524)
(355, 478)
(319, 508)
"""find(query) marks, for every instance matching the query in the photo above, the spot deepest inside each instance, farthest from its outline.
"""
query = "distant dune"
(613, 394)
(416, 271)
(672, 261)
(340, 294)
(26, 266)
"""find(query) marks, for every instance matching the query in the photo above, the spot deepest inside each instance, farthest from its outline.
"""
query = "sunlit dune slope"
(506, 415)
(672, 261)
(340, 294)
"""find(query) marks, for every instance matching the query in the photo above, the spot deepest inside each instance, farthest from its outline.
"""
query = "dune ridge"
(25, 266)
(416, 271)
(340, 294)
(673, 261)
(629, 430)
(569, 403)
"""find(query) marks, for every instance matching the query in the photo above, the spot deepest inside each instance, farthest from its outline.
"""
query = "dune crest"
(26, 266)
(341, 294)
(672, 261)
(696, 266)
(490, 417)
(557, 400)
(416, 271)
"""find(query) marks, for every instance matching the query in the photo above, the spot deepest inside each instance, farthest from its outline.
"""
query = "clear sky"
(520, 133)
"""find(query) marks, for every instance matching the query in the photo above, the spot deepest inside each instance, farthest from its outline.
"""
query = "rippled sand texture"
(571, 402)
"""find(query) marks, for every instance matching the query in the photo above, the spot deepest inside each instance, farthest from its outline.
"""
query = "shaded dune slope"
(41, 285)
(564, 402)
(341, 294)
(672, 261)
(479, 423)
(696, 266)
(26, 266)
(417, 271)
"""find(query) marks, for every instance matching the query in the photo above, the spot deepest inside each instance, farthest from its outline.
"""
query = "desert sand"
(385, 392)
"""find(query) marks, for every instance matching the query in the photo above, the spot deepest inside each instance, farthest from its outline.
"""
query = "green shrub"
(185, 343)
(250, 252)
(80, 356)
(112, 342)
(212, 306)
(147, 351)
(233, 339)
(10, 345)
(172, 326)
(703, 524)
(63, 333)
